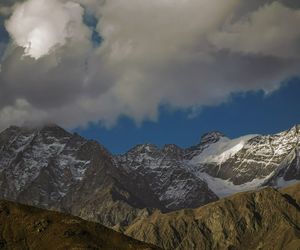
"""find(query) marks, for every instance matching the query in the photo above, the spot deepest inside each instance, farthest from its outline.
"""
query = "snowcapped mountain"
(231, 166)
(227, 165)
(52, 168)
(30, 158)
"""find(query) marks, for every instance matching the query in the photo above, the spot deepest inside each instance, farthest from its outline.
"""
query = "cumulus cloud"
(40, 25)
(183, 54)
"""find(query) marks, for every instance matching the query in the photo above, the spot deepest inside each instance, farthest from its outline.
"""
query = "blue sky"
(247, 113)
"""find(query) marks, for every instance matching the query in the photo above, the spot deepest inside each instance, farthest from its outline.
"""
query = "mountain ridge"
(54, 169)
(262, 219)
(242, 221)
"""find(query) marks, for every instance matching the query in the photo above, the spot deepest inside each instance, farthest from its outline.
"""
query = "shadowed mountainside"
(25, 227)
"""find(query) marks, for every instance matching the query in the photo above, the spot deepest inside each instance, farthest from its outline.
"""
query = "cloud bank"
(183, 54)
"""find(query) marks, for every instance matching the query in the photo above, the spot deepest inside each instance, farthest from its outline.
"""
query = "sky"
(245, 113)
(161, 71)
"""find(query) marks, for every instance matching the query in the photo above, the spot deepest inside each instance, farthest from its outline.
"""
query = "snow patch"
(221, 151)
(224, 188)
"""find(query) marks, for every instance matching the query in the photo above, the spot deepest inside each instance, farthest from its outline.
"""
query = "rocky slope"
(25, 227)
(263, 219)
(163, 171)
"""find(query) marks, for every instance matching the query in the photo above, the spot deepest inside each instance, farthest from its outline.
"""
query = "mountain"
(263, 219)
(54, 169)
(223, 166)
(248, 162)
(163, 171)
(51, 168)
(25, 227)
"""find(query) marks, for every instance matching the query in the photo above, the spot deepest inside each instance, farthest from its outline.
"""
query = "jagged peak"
(146, 147)
(292, 131)
(171, 147)
(297, 128)
(211, 137)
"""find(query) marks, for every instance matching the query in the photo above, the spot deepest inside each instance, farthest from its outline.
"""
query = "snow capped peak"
(293, 131)
(296, 128)
(221, 150)
(211, 137)
(205, 141)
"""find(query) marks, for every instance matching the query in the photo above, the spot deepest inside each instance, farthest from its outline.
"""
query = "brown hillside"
(293, 191)
(263, 219)
(24, 227)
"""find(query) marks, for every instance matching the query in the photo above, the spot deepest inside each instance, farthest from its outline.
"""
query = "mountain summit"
(211, 137)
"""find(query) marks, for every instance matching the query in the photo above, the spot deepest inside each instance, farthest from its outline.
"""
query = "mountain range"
(51, 168)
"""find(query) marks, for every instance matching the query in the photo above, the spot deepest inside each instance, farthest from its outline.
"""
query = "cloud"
(184, 54)
(19, 112)
(271, 30)
(40, 26)
(5, 11)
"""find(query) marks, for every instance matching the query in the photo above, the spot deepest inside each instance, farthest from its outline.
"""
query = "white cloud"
(184, 54)
(40, 26)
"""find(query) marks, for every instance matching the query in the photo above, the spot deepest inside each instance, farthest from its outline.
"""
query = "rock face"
(25, 227)
(263, 219)
(54, 169)
(163, 172)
